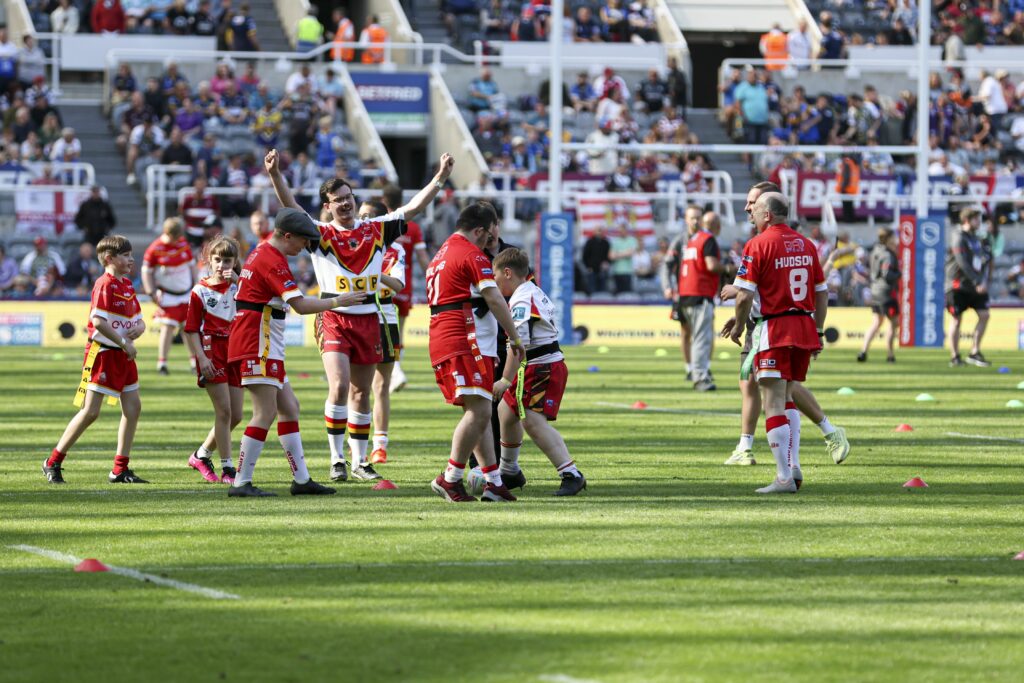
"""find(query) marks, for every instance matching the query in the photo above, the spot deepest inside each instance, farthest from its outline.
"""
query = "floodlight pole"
(924, 39)
(555, 109)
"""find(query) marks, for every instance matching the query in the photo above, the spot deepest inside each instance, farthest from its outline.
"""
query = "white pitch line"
(131, 573)
(675, 411)
(695, 561)
(984, 437)
(123, 491)
(562, 678)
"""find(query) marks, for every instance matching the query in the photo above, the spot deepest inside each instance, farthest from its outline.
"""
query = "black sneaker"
(227, 475)
(956, 361)
(126, 477)
(571, 484)
(862, 357)
(53, 474)
(339, 471)
(365, 472)
(979, 360)
(311, 488)
(247, 490)
(514, 481)
(890, 359)
(162, 370)
(689, 375)
(705, 385)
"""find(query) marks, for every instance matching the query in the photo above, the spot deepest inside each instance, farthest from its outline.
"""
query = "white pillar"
(555, 108)
(924, 38)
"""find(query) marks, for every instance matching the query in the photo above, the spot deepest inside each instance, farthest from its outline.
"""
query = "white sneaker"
(779, 486)
(131, 179)
(798, 477)
(837, 445)
(398, 380)
(744, 457)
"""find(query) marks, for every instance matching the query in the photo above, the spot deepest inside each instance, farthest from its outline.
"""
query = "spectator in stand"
(587, 29)
(331, 91)
(124, 84)
(190, 120)
(773, 47)
(373, 38)
(678, 94)
(176, 151)
(603, 156)
(615, 24)
(107, 16)
(608, 80)
(328, 143)
(8, 271)
(611, 107)
(344, 32)
(1014, 278)
(259, 228)
(487, 138)
(144, 146)
(482, 91)
(309, 32)
(42, 108)
(225, 33)
(752, 98)
(878, 163)
(899, 34)
(49, 133)
(65, 18)
(303, 111)
(45, 267)
(582, 94)
(203, 23)
(65, 144)
(8, 63)
(22, 125)
(243, 31)
(621, 180)
(233, 106)
(156, 100)
(249, 82)
(304, 178)
(798, 45)
(137, 113)
(623, 245)
(83, 270)
(652, 93)
(222, 76)
(642, 26)
(301, 77)
(528, 26)
(237, 177)
(833, 42)
(266, 125)
(196, 208)
(95, 217)
(171, 78)
(991, 95)
(597, 261)
(31, 62)
(496, 20)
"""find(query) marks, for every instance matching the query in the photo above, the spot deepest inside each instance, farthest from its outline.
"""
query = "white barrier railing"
(82, 173)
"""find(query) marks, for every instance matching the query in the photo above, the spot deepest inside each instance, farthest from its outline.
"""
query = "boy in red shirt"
(210, 312)
(109, 371)
(256, 349)
(168, 274)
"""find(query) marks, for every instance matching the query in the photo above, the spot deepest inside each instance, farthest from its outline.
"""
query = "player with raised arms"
(465, 311)
(347, 259)
(256, 349)
(836, 442)
(781, 271)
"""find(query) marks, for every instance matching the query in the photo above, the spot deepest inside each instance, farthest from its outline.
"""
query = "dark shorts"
(389, 342)
(889, 308)
(959, 300)
(678, 314)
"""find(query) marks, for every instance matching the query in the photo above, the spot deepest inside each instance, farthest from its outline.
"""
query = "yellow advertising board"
(62, 323)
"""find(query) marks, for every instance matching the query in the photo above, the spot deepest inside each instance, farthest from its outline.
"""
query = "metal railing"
(82, 173)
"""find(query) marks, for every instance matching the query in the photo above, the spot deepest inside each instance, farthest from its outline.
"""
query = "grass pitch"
(667, 568)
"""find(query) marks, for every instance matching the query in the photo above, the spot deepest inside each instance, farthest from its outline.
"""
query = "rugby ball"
(475, 481)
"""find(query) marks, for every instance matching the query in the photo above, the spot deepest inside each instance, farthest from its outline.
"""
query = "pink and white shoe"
(227, 475)
(204, 466)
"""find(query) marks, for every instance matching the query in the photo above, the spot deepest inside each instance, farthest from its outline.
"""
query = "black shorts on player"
(887, 308)
(678, 314)
(959, 300)
(389, 342)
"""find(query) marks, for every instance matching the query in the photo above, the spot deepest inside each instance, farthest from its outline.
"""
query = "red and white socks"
(510, 457)
(793, 416)
(491, 475)
(826, 427)
(336, 417)
(454, 471)
(291, 442)
(248, 453)
(777, 428)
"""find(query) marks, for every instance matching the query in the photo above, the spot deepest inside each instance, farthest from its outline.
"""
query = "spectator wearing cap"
(95, 216)
(992, 97)
(44, 266)
(608, 80)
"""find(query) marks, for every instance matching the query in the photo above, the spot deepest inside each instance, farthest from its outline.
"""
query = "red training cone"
(903, 427)
(1019, 556)
(304, 375)
(384, 485)
(639, 405)
(91, 565)
(916, 483)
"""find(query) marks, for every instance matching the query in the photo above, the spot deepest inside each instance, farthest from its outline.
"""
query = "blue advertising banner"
(21, 329)
(922, 287)
(397, 102)
(556, 269)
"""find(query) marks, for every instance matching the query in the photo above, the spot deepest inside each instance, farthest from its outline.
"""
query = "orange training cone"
(903, 427)
(384, 485)
(916, 483)
(639, 405)
(91, 565)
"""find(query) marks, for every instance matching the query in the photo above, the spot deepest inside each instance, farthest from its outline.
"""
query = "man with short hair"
(95, 217)
(465, 311)
(781, 271)
(967, 273)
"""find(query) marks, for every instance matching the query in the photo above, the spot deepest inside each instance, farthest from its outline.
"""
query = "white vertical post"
(555, 108)
(924, 38)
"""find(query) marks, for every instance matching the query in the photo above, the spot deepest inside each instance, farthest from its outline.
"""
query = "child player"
(109, 371)
(256, 349)
(532, 395)
(168, 273)
(210, 312)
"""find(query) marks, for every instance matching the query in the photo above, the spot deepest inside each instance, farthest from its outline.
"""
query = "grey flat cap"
(297, 223)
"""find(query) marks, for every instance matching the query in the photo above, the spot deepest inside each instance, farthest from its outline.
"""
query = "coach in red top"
(699, 274)
(781, 276)
(465, 311)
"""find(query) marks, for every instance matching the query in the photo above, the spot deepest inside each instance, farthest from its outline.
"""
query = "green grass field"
(667, 568)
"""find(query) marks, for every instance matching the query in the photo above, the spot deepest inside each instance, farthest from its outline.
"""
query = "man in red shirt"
(699, 273)
(415, 248)
(465, 311)
(781, 271)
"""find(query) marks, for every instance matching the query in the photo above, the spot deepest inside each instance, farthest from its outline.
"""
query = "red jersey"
(459, 272)
(264, 286)
(194, 211)
(411, 241)
(694, 277)
(781, 266)
(211, 308)
(113, 299)
(171, 264)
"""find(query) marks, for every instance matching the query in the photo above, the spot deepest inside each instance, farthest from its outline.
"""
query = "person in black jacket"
(885, 280)
(95, 217)
(597, 260)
